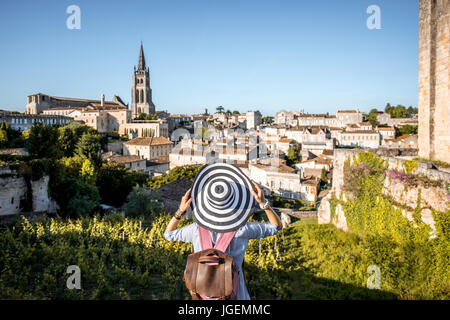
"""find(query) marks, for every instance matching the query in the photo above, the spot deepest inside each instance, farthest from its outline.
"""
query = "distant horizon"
(253, 55)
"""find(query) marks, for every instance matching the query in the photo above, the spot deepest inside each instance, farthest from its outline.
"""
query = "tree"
(236, 112)
(323, 176)
(408, 129)
(67, 140)
(266, 119)
(142, 201)
(293, 155)
(220, 109)
(228, 113)
(88, 147)
(114, 182)
(9, 137)
(43, 142)
(399, 111)
(412, 111)
(88, 172)
(3, 138)
(75, 197)
(372, 117)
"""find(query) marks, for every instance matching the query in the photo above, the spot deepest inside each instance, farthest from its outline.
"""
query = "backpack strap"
(224, 240)
(205, 238)
(222, 244)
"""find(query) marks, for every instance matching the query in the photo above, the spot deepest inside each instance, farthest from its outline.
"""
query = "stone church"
(141, 93)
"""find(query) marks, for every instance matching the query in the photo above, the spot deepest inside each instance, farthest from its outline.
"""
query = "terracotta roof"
(328, 152)
(157, 161)
(347, 111)
(403, 137)
(147, 141)
(281, 168)
(311, 182)
(126, 159)
(179, 116)
(361, 131)
(285, 140)
(385, 129)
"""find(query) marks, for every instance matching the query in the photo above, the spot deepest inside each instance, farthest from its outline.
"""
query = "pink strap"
(224, 241)
(222, 244)
(205, 238)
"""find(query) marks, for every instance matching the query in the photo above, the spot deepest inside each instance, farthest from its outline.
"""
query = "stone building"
(105, 121)
(404, 141)
(385, 118)
(25, 121)
(141, 93)
(434, 84)
(253, 119)
(386, 133)
(360, 138)
(38, 103)
(149, 147)
(186, 153)
(282, 181)
(145, 128)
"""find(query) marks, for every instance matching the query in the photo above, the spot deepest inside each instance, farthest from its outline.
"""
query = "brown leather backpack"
(210, 274)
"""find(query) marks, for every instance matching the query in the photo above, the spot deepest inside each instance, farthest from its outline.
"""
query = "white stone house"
(281, 181)
(361, 138)
(149, 147)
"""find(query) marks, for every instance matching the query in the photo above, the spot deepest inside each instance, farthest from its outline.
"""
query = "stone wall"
(434, 82)
(13, 194)
(436, 198)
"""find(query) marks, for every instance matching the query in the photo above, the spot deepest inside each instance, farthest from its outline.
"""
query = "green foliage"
(119, 258)
(372, 117)
(43, 142)
(115, 182)
(141, 201)
(280, 202)
(220, 109)
(10, 138)
(177, 173)
(407, 129)
(410, 166)
(70, 134)
(293, 155)
(323, 176)
(88, 147)
(399, 111)
(76, 197)
(410, 261)
(150, 116)
(266, 119)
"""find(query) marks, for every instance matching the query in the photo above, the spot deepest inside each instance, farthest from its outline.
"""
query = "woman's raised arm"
(258, 193)
(185, 202)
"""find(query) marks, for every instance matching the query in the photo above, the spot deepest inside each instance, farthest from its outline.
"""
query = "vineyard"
(128, 258)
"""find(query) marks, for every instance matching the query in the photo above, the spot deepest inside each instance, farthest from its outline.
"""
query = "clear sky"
(316, 55)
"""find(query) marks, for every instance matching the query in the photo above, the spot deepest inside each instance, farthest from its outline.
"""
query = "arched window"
(142, 96)
(137, 96)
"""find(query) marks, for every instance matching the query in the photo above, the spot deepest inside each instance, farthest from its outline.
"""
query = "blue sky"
(267, 55)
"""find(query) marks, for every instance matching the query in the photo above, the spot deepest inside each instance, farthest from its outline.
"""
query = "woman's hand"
(258, 193)
(185, 202)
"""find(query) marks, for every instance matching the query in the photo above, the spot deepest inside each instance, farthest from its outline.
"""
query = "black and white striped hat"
(221, 197)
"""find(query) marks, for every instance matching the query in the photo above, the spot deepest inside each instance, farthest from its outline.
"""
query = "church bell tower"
(141, 93)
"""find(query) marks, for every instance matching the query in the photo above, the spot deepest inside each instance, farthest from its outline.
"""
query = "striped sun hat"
(221, 197)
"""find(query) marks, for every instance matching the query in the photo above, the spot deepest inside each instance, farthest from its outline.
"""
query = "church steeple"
(141, 62)
(141, 93)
